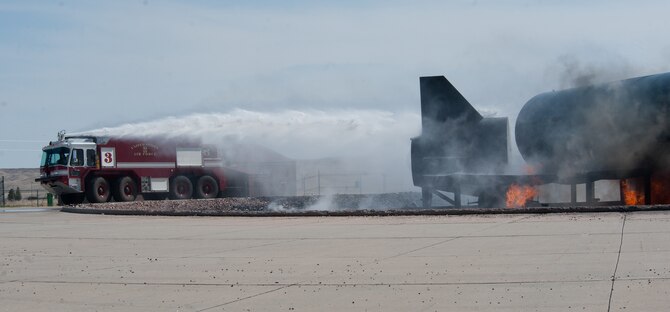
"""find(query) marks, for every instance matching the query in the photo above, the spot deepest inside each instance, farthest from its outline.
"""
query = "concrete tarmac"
(55, 261)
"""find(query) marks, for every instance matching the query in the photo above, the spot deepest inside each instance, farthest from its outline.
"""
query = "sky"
(89, 65)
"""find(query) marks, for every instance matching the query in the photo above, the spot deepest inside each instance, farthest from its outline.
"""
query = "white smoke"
(571, 71)
(370, 141)
(297, 134)
(325, 203)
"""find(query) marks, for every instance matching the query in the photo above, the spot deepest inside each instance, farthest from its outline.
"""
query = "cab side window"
(90, 157)
(62, 157)
(77, 157)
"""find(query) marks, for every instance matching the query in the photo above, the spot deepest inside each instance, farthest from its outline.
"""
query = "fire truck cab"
(99, 169)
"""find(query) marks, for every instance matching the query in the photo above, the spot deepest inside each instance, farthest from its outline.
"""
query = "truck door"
(77, 157)
(90, 158)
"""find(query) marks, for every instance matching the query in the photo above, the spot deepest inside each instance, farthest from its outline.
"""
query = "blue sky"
(81, 65)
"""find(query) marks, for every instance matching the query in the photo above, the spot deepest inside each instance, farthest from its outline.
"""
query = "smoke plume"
(297, 134)
(620, 126)
(572, 72)
(368, 141)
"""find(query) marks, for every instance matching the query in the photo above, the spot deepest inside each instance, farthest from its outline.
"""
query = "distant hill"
(24, 178)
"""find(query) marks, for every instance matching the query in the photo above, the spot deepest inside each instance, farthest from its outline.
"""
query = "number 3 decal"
(107, 155)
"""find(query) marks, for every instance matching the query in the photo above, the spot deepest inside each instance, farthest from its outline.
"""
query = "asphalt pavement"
(56, 261)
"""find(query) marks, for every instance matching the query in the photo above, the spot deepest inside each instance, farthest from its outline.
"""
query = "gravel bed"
(335, 205)
(261, 204)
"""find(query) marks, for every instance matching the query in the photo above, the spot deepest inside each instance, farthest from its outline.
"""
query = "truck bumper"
(58, 185)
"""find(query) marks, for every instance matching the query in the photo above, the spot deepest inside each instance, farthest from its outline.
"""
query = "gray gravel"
(389, 204)
(387, 201)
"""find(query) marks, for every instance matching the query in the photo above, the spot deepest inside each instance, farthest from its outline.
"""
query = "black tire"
(181, 188)
(125, 189)
(97, 190)
(71, 199)
(206, 187)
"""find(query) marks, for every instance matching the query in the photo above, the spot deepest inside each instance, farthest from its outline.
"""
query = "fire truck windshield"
(55, 156)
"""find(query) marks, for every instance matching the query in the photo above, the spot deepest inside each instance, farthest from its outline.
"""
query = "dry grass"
(23, 178)
(28, 203)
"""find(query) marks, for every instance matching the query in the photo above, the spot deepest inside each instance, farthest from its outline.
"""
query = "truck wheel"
(71, 199)
(206, 187)
(125, 189)
(181, 188)
(97, 190)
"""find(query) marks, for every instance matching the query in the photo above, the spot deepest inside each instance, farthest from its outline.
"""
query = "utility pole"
(360, 184)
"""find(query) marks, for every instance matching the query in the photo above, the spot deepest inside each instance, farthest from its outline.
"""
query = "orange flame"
(529, 170)
(519, 195)
(632, 195)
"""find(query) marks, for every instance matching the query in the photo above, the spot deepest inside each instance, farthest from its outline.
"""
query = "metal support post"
(304, 190)
(590, 192)
(2, 191)
(457, 196)
(427, 197)
(647, 190)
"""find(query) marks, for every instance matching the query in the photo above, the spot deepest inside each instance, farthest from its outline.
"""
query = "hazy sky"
(82, 65)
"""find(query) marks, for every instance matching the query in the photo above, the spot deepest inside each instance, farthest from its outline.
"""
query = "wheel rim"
(207, 188)
(127, 190)
(102, 190)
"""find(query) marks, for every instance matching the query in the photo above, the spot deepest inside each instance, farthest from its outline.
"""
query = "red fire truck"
(98, 168)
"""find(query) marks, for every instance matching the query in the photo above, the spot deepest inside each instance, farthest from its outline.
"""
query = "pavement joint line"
(497, 224)
(245, 298)
(420, 248)
(243, 229)
(343, 257)
(188, 257)
(256, 295)
(369, 262)
(210, 255)
(494, 225)
(303, 284)
(144, 261)
(616, 266)
(603, 279)
(325, 238)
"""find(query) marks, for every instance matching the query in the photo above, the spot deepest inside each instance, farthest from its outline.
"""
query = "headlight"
(57, 173)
